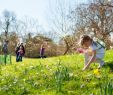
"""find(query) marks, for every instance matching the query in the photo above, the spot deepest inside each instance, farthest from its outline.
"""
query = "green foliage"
(56, 76)
(61, 74)
(107, 87)
(36, 42)
(5, 59)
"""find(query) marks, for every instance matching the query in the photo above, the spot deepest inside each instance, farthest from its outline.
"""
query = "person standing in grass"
(5, 50)
(16, 51)
(42, 51)
(93, 51)
(20, 54)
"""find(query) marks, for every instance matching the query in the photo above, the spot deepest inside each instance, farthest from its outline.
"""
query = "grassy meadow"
(56, 76)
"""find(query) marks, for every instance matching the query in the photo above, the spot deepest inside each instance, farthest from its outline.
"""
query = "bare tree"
(25, 26)
(60, 22)
(7, 20)
(96, 17)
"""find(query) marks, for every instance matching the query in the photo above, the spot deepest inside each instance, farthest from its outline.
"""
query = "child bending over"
(93, 52)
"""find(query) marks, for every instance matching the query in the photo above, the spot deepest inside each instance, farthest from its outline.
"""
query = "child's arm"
(91, 60)
(79, 50)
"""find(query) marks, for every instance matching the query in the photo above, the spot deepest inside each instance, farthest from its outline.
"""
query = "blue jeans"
(18, 58)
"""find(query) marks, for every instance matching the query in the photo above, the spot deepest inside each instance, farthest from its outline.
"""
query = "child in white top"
(94, 52)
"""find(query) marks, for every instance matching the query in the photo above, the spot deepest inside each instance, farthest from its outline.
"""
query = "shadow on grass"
(109, 64)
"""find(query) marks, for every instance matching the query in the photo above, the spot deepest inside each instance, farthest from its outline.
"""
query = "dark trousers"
(41, 55)
(5, 58)
(18, 58)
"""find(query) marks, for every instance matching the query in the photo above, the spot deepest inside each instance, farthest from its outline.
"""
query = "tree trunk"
(7, 29)
(67, 47)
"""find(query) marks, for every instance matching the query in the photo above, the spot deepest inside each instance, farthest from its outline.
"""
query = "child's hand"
(80, 50)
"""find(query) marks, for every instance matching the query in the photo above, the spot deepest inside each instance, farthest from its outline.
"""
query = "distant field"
(56, 76)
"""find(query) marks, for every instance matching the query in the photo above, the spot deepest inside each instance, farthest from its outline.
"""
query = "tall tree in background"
(97, 18)
(25, 26)
(7, 20)
(60, 23)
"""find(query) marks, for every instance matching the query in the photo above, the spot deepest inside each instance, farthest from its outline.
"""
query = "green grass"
(56, 76)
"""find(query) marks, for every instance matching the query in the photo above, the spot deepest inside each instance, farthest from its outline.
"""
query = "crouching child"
(93, 52)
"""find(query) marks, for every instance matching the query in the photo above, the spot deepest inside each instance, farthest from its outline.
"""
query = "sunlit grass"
(56, 76)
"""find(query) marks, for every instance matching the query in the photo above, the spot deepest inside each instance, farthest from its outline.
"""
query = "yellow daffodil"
(96, 72)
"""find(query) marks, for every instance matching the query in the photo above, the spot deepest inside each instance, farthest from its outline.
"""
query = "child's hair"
(85, 38)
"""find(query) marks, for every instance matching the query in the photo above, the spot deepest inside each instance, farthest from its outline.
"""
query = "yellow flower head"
(96, 72)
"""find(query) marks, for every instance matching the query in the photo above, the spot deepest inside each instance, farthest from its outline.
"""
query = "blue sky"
(39, 9)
